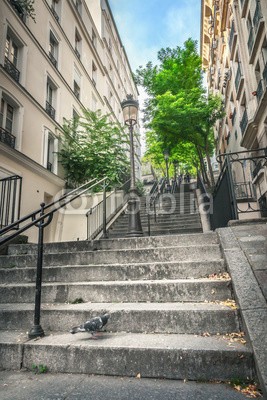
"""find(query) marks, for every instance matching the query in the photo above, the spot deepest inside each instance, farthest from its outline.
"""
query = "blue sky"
(146, 26)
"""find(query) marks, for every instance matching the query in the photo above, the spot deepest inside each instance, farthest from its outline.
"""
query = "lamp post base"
(36, 331)
(134, 221)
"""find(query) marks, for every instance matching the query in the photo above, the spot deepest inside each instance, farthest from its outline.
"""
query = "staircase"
(168, 300)
(175, 214)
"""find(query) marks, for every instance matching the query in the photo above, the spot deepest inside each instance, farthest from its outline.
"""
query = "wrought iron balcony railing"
(50, 110)
(49, 166)
(251, 40)
(234, 117)
(259, 91)
(52, 59)
(11, 69)
(238, 77)
(264, 74)
(257, 16)
(7, 138)
(55, 13)
(244, 122)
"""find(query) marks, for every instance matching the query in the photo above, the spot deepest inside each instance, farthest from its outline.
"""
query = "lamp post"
(130, 111)
(166, 157)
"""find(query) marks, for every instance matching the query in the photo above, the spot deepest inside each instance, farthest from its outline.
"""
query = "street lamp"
(166, 157)
(130, 111)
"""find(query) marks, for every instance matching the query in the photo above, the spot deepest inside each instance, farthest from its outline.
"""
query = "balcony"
(259, 93)
(234, 117)
(250, 40)
(7, 138)
(243, 7)
(232, 40)
(18, 9)
(244, 122)
(264, 75)
(52, 59)
(258, 27)
(239, 82)
(55, 13)
(50, 110)
(77, 53)
(11, 69)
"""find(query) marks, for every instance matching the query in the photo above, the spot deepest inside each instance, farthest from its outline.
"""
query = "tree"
(178, 110)
(92, 147)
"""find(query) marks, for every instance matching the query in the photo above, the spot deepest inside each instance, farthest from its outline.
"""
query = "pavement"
(244, 245)
(25, 385)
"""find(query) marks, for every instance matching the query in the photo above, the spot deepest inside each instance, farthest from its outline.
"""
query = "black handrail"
(41, 222)
(125, 187)
(153, 197)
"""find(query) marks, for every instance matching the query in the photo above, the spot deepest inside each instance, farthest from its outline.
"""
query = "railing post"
(105, 235)
(37, 330)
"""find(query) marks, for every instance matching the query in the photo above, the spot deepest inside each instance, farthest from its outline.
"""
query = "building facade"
(234, 56)
(70, 57)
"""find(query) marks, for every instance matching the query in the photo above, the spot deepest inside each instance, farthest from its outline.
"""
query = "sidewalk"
(27, 385)
(244, 244)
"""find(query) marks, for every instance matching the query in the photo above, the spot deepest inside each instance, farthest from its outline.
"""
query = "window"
(50, 98)
(94, 103)
(94, 73)
(12, 54)
(78, 6)
(77, 83)
(7, 115)
(53, 49)
(94, 38)
(50, 152)
(78, 44)
(55, 9)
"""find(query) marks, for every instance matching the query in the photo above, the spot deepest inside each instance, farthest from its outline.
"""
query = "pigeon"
(92, 326)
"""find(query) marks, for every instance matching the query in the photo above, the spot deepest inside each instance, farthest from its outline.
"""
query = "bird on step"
(92, 326)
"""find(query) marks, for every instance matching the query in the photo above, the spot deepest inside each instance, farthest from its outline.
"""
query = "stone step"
(180, 318)
(161, 227)
(154, 232)
(170, 356)
(172, 253)
(122, 243)
(163, 220)
(175, 290)
(113, 272)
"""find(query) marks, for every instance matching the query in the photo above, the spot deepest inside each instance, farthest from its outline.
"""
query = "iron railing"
(41, 218)
(10, 199)
(50, 110)
(7, 138)
(244, 122)
(102, 213)
(55, 13)
(152, 200)
(53, 59)
(11, 69)
(239, 189)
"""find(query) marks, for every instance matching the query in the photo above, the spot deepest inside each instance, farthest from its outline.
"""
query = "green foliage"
(93, 147)
(27, 7)
(39, 369)
(79, 300)
(178, 110)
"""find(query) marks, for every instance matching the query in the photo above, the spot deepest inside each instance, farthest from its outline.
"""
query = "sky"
(146, 26)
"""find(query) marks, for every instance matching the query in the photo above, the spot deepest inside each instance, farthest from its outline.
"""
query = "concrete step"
(163, 220)
(122, 243)
(170, 356)
(161, 227)
(174, 290)
(180, 318)
(171, 253)
(119, 233)
(113, 272)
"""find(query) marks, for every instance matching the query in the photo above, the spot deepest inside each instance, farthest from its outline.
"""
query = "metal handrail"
(41, 222)
(101, 209)
(153, 197)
